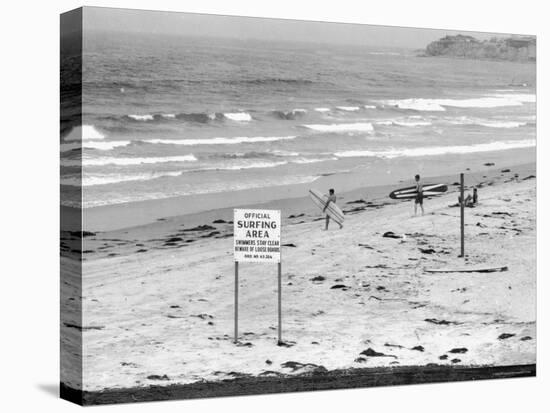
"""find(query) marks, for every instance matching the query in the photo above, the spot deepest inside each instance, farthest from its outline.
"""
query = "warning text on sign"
(257, 235)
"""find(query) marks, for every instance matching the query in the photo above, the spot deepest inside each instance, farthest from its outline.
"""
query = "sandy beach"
(157, 299)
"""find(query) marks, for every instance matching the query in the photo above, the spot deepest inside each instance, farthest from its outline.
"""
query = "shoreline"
(124, 216)
(315, 381)
(217, 223)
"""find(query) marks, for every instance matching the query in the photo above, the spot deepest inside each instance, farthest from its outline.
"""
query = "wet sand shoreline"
(365, 181)
(181, 231)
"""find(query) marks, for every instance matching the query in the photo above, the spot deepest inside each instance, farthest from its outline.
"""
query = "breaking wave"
(289, 114)
(198, 117)
(348, 108)
(106, 179)
(342, 127)
(439, 150)
(126, 161)
(142, 117)
(438, 105)
(489, 123)
(219, 141)
(404, 123)
(83, 133)
(238, 116)
(196, 190)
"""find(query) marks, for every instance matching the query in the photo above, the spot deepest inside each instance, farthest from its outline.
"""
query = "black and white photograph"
(259, 205)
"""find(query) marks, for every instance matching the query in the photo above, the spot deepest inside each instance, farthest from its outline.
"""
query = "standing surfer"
(331, 198)
(419, 199)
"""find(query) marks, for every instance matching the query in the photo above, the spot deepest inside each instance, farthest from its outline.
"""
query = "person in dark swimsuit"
(419, 200)
(470, 201)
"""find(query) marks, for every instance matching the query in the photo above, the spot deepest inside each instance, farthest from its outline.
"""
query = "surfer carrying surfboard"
(331, 198)
(419, 199)
(327, 204)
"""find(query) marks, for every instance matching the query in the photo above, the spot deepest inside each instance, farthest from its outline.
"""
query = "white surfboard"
(428, 190)
(332, 211)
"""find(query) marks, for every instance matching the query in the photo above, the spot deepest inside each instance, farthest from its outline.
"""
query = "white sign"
(257, 235)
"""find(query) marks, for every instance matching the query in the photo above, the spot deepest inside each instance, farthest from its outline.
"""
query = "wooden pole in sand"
(280, 340)
(462, 215)
(236, 301)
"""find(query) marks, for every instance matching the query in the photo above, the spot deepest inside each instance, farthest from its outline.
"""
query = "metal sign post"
(236, 301)
(461, 215)
(279, 339)
(257, 238)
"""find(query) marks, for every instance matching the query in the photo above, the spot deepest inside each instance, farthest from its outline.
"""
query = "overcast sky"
(185, 24)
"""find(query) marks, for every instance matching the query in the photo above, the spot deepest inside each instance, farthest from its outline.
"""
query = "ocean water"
(171, 116)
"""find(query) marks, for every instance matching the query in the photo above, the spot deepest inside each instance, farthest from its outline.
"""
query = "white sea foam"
(85, 133)
(407, 123)
(284, 153)
(312, 160)
(105, 145)
(322, 110)
(258, 165)
(369, 107)
(493, 101)
(412, 123)
(439, 150)
(238, 116)
(348, 108)
(489, 123)
(485, 102)
(254, 165)
(168, 115)
(143, 118)
(95, 179)
(100, 145)
(431, 105)
(219, 141)
(106, 179)
(342, 127)
(126, 161)
(195, 190)
(502, 124)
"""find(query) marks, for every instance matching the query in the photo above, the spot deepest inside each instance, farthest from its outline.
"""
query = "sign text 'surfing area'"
(257, 235)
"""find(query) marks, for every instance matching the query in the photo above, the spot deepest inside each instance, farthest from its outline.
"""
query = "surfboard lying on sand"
(332, 211)
(467, 269)
(427, 190)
